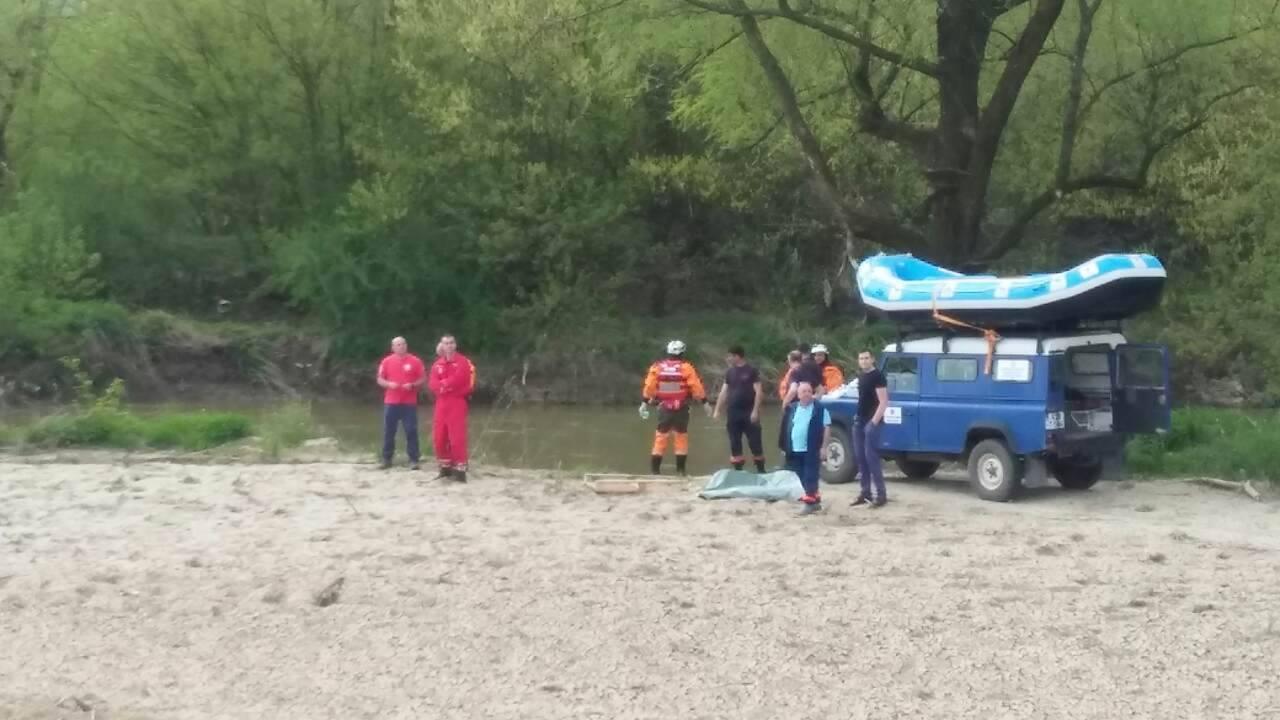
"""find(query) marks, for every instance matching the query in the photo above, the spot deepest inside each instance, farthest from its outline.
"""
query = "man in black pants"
(742, 393)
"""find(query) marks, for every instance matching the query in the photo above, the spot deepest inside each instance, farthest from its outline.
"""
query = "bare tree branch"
(870, 113)
(995, 116)
(1075, 90)
(1100, 181)
(852, 222)
(1001, 7)
(869, 100)
(701, 57)
(740, 10)
(1097, 91)
(781, 118)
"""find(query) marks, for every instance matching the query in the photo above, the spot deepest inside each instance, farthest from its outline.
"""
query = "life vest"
(673, 389)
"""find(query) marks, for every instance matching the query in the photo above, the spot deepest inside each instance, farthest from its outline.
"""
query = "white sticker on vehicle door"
(893, 415)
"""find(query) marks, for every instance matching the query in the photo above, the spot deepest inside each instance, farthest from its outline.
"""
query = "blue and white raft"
(908, 291)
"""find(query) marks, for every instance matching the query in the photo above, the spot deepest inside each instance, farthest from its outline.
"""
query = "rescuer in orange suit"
(832, 376)
(671, 384)
(784, 383)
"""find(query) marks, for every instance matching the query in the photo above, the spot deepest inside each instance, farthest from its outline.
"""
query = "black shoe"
(810, 508)
(414, 465)
(444, 474)
(384, 465)
(861, 501)
(879, 503)
(737, 466)
(760, 466)
(460, 476)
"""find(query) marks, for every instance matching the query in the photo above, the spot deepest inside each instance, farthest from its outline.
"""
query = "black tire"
(1076, 475)
(839, 467)
(916, 469)
(994, 473)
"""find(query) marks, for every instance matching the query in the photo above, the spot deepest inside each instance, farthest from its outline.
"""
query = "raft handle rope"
(992, 337)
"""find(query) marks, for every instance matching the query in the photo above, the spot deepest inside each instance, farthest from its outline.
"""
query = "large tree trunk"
(963, 30)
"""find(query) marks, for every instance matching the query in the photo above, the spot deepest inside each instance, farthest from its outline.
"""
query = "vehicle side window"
(1141, 368)
(902, 374)
(1015, 370)
(957, 369)
(1090, 363)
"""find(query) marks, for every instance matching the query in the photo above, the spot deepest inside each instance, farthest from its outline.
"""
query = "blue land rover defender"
(1060, 406)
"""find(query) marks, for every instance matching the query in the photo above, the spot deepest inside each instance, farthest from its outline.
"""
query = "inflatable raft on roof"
(1107, 288)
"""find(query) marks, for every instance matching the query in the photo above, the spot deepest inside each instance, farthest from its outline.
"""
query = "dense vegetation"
(99, 418)
(552, 177)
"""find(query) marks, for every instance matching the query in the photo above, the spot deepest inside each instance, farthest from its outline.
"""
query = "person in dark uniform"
(873, 400)
(742, 393)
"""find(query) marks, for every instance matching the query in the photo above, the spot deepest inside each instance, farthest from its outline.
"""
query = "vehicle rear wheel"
(916, 469)
(840, 466)
(1076, 475)
(994, 472)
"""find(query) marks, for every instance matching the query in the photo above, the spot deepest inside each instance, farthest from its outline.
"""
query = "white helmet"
(675, 347)
(819, 348)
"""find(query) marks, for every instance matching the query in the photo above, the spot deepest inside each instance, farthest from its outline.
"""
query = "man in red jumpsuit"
(452, 380)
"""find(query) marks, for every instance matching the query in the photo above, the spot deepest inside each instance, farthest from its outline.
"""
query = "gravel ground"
(163, 590)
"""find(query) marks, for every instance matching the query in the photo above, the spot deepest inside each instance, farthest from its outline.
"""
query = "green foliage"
(91, 428)
(1216, 443)
(100, 420)
(97, 427)
(287, 427)
(549, 175)
(195, 431)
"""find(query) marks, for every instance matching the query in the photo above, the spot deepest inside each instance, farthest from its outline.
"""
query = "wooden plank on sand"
(624, 484)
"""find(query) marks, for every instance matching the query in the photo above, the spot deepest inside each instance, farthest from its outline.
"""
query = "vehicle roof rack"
(907, 331)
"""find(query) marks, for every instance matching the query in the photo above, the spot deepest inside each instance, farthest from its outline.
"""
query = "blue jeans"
(866, 441)
(805, 464)
(393, 416)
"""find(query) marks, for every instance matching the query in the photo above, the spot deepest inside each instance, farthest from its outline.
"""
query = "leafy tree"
(979, 61)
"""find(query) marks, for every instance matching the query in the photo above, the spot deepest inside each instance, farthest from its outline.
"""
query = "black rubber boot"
(460, 476)
(681, 461)
(760, 466)
(655, 464)
(737, 466)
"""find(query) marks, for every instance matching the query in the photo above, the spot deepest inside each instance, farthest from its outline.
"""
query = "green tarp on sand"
(778, 485)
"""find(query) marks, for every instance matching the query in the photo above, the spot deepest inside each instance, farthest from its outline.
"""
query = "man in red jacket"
(452, 380)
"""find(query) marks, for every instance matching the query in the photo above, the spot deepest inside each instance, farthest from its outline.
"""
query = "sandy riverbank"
(169, 590)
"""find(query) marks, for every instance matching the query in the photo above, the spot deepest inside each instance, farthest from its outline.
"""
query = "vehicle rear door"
(901, 429)
(1140, 398)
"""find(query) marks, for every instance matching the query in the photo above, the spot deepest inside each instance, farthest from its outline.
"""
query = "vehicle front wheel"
(993, 471)
(840, 466)
(1076, 475)
(916, 469)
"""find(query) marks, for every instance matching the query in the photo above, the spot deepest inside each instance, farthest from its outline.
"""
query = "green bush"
(91, 428)
(195, 431)
(99, 427)
(9, 436)
(287, 427)
(1212, 442)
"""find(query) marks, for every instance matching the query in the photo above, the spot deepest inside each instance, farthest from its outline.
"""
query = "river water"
(577, 438)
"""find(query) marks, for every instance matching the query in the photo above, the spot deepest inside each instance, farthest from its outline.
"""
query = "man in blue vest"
(806, 430)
